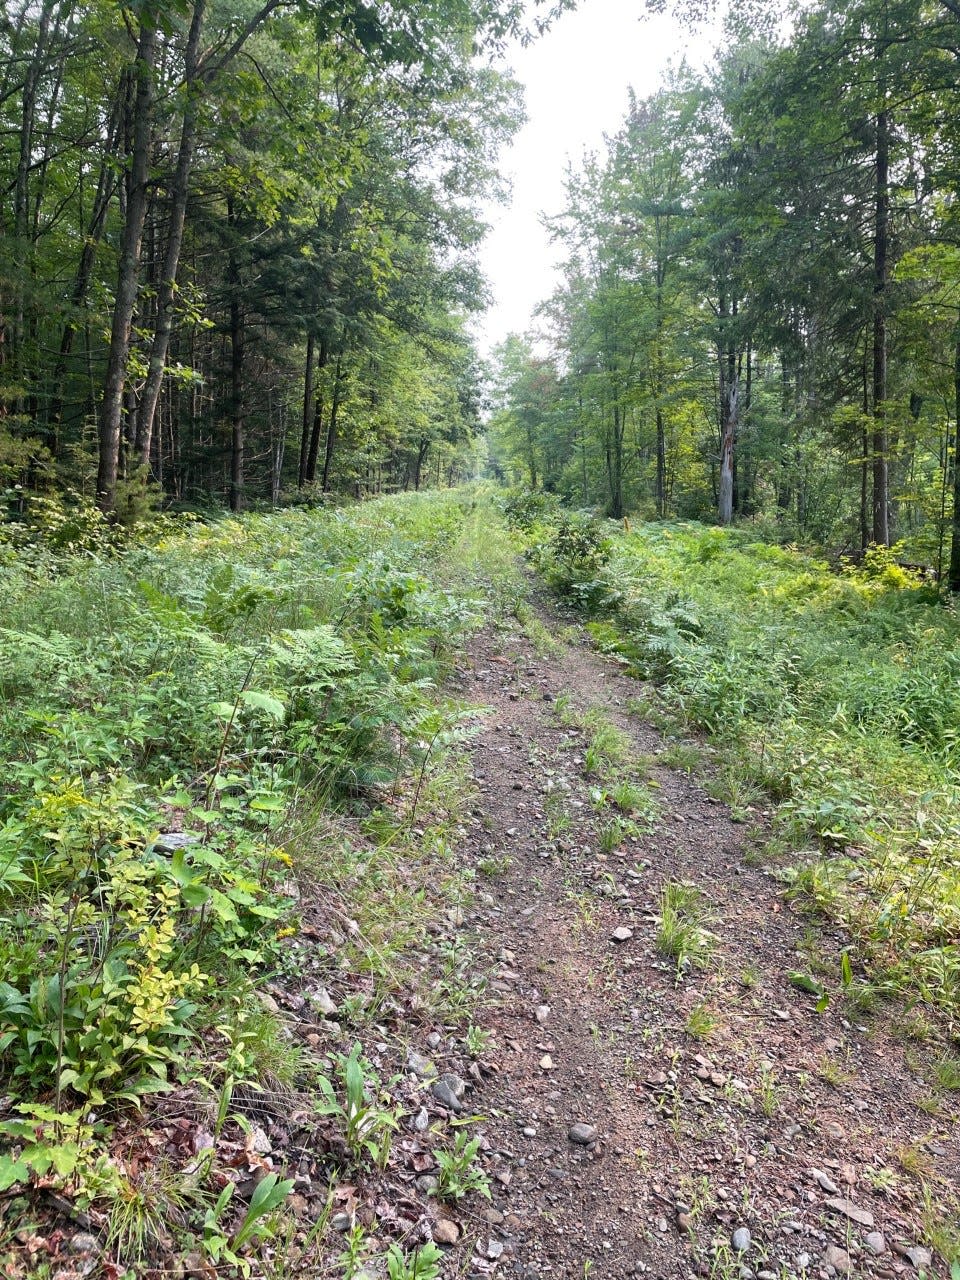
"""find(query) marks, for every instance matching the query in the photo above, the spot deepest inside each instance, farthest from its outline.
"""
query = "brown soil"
(695, 1138)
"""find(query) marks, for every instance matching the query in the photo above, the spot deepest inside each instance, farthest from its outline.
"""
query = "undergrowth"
(201, 731)
(832, 698)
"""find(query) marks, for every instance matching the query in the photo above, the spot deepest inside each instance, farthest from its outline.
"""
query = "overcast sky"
(575, 79)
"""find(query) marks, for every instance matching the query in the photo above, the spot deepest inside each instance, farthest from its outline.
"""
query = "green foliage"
(422, 1264)
(361, 1105)
(681, 933)
(184, 720)
(526, 508)
(571, 554)
(835, 695)
(458, 1168)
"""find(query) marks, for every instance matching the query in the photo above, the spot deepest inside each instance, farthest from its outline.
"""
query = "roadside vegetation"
(227, 794)
(832, 702)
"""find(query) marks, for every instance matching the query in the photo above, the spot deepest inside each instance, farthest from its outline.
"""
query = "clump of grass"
(941, 1227)
(608, 746)
(681, 933)
(701, 1022)
(768, 1092)
(946, 1072)
(611, 835)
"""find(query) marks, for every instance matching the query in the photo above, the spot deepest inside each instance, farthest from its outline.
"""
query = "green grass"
(681, 933)
(270, 689)
(833, 700)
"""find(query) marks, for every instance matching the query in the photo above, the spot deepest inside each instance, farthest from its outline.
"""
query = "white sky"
(576, 79)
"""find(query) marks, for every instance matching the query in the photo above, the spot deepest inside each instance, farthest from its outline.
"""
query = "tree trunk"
(314, 452)
(237, 408)
(729, 410)
(307, 412)
(881, 483)
(21, 191)
(106, 185)
(953, 576)
(166, 292)
(332, 426)
(111, 417)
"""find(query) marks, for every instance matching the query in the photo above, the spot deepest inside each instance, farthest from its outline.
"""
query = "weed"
(769, 1092)
(682, 756)
(422, 1264)
(833, 1073)
(942, 1227)
(610, 835)
(882, 1179)
(476, 1040)
(681, 934)
(701, 1022)
(914, 1160)
(367, 1118)
(495, 866)
(459, 1171)
(946, 1071)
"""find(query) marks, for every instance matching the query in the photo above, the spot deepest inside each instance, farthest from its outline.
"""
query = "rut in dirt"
(645, 1117)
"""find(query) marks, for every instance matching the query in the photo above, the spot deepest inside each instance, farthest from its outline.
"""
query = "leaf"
(11, 1172)
(265, 702)
(804, 982)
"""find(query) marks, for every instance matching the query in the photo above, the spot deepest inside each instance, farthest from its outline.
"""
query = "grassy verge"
(832, 700)
(226, 765)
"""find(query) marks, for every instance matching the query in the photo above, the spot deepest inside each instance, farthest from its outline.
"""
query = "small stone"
(766, 1275)
(838, 1258)
(494, 1250)
(433, 1039)
(546, 1063)
(622, 934)
(448, 1090)
(258, 1141)
(803, 1261)
(684, 1222)
(862, 1217)
(529, 1131)
(324, 1003)
(419, 1065)
(446, 1231)
(542, 1013)
(342, 1221)
(83, 1242)
(172, 841)
(826, 1182)
(876, 1243)
(582, 1134)
(918, 1257)
(741, 1240)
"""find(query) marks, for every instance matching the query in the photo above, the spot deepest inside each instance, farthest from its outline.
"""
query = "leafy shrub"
(526, 508)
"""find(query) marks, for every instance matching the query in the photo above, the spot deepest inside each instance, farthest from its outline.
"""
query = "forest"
(467, 814)
(237, 245)
(758, 317)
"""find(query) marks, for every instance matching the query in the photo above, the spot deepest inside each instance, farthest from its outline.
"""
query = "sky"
(575, 80)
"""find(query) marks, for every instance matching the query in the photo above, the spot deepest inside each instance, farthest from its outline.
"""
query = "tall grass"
(838, 695)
